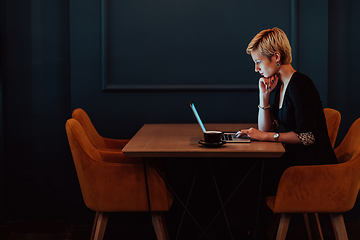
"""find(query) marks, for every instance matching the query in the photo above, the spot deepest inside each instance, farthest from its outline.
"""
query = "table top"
(181, 140)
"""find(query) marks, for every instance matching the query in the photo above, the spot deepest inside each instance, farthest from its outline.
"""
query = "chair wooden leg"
(283, 226)
(307, 224)
(313, 223)
(319, 226)
(159, 225)
(94, 226)
(273, 226)
(100, 222)
(337, 221)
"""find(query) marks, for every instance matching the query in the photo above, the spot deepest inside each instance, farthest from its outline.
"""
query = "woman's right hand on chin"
(266, 85)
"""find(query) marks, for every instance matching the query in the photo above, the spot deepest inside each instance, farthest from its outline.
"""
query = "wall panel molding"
(108, 86)
(294, 32)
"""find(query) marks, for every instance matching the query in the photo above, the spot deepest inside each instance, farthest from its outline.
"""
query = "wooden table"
(181, 141)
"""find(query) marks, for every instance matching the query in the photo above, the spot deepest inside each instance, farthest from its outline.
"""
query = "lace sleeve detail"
(275, 122)
(307, 138)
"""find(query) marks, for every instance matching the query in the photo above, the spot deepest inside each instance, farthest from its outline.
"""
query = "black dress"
(302, 113)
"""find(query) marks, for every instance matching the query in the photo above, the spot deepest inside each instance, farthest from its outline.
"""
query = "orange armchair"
(95, 138)
(333, 118)
(321, 188)
(110, 183)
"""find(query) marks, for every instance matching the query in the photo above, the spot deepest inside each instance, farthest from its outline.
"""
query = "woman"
(294, 117)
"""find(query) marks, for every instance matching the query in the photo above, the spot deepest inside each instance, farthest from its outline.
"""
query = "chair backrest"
(96, 139)
(79, 142)
(333, 118)
(113, 187)
(348, 153)
(349, 147)
(85, 155)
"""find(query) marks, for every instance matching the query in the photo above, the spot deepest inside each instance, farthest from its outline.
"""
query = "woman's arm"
(264, 116)
(255, 134)
(266, 85)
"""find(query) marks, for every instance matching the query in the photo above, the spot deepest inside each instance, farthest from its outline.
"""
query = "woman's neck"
(285, 73)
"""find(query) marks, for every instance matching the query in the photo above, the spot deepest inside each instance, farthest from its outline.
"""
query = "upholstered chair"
(110, 183)
(95, 138)
(329, 188)
(333, 118)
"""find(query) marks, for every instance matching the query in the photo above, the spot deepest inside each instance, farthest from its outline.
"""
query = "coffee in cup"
(212, 136)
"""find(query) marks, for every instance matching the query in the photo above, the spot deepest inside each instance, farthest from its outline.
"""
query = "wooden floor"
(59, 230)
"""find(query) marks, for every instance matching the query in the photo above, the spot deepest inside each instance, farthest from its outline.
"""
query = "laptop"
(228, 137)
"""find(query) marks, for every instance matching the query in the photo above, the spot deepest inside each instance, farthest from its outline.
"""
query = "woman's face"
(263, 65)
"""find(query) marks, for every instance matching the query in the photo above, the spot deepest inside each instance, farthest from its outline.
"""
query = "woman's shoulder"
(298, 78)
(300, 81)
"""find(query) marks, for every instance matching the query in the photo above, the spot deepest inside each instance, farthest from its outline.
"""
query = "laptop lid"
(192, 105)
(227, 136)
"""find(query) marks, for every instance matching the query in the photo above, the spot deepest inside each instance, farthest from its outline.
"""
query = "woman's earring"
(277, 64)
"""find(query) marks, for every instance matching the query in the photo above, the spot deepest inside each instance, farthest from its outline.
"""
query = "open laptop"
(228, 137)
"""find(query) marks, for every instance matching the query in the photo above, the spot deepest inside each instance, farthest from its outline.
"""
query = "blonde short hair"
(270, 41)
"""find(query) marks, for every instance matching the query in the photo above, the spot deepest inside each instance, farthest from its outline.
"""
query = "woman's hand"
(266, 85)
(253, 133)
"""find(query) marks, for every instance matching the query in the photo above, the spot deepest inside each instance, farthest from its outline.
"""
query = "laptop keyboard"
(227, 137)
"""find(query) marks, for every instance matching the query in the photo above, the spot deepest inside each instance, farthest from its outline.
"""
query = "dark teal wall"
(2, 61)
(36, 103)
(51, 64)
(343, 61)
